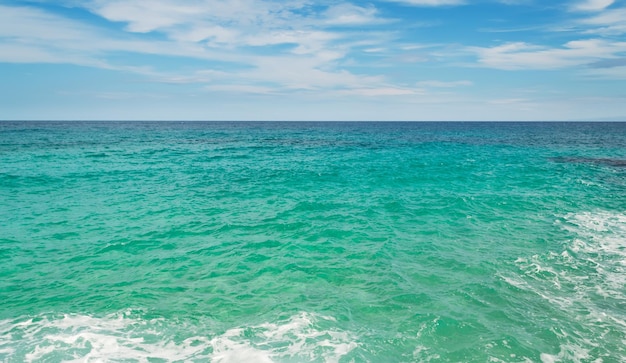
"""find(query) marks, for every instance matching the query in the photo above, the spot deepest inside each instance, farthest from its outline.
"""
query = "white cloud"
(442, 84)
(309, 50)
(303, 72)
(607, 17)
(608, 22)
(211, 33)
(125, 95)
(232, 22)
(310, 53)
(218, 21)
(144, 16)
(430, 2)
(305, 42)
(349, 14)
(196, 30)
(165, 15)
(33, 36)
(38, 36)
(515, 2)
(509, 101)
(592, 5)
(520, 56)
(374, 50)
(613, 73)
(381, 91)
(238, 89)
(24, 23)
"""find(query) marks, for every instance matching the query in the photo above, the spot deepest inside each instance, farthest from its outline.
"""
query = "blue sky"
(313, 60)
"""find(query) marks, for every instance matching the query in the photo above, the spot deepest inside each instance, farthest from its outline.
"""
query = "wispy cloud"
(515, 2)
(443, 84)
(381, 91)
(239, 23)
(616, 73)
(608, 22)
(609, 63)
(37, 36)
(349, 14)
(430, 2)
(515, 29)
(215, 31)
(342, 52)
(592, 5)
(524, 56)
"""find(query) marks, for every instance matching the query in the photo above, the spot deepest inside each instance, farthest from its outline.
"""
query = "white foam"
(589, 274)
(597, 252)
(601, 243)
(82, 338)
(599, 231)
(589, 183)
(423, 354)
(289, 339)
(569, 353)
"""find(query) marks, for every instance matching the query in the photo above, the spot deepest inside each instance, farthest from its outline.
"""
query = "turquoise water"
(313, 242)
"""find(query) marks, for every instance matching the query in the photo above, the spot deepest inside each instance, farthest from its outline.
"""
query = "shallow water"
(313, 242)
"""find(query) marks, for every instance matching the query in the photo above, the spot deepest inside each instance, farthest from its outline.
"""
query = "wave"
(127, 336)
(582, 286)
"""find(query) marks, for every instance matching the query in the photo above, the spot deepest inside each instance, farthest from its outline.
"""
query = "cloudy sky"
(313, 60)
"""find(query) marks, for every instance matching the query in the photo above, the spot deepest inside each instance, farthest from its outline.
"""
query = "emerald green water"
(312, 242)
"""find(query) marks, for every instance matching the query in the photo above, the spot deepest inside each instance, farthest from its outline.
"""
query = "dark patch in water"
(95, 155)
(621, 163)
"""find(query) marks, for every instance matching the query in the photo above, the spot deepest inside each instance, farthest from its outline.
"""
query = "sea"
(312, 242)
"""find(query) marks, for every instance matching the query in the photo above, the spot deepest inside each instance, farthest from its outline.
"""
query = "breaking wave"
(128, 337)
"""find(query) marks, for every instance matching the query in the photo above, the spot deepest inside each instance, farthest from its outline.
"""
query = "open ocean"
(312, 242)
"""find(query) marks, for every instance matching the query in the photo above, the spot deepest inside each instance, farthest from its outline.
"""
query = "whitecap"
(600, 231)
(583, 282)
(130, 337)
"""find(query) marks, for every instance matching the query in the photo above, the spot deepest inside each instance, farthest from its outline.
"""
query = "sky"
(313, 60)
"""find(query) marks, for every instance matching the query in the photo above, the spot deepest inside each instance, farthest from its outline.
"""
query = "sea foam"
(584, 277)
(126, 337)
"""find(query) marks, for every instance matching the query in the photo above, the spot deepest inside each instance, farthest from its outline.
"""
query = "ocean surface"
(312, 242)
